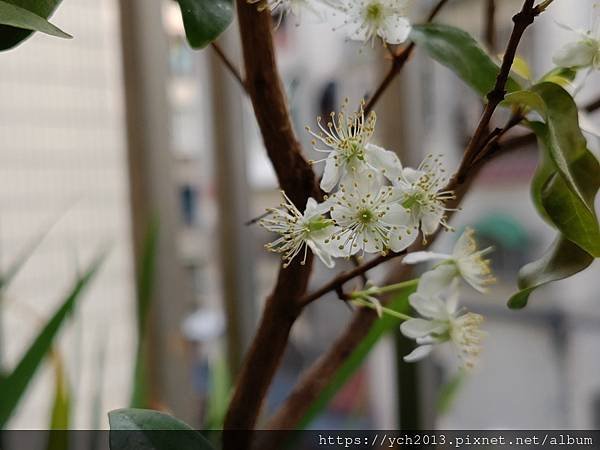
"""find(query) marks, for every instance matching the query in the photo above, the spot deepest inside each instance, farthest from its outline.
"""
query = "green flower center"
(365, 216)
(374, 12)
(318, 224)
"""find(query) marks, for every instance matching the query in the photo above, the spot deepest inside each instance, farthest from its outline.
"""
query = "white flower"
(369, 19)
(369, 218)
(585, 52)
(300, 231)
(422, 194)
(346, 140)
(294, 7)
(442, 322)
(466, 258)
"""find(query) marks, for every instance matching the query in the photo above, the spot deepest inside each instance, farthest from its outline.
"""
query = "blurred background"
(125, 130)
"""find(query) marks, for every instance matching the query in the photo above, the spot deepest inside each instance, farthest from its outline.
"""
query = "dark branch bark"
(297, 179)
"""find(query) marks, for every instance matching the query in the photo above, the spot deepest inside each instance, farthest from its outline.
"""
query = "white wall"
(63, 154)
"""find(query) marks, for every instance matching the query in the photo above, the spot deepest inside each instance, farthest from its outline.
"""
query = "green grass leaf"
(143, 429)
(457, 50)
(380, 329)
(20, 18)
(562, 260)
(15, 384)
(61, 405)
(205, 20)
(145, 285)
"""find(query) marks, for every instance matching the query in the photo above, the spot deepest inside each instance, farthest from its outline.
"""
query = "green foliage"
(205, 20)
(61, 406)
(139, 398)
(449, 392)
(20, 18)
(142, 429)
(219, 394)
(457, 50)
(15, 384)
(380, 329)
(562, 260)
(564, 188)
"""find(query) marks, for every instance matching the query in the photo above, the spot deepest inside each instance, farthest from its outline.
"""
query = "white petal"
(430, 220)
(331, 174)
(429, 307)
(384, 160)
(322, 253)
(396, 215)
(401, 240)
(418, 353)
(575, 55)
(419, 257)
(395, 30)
(418, 328)
(435, 281)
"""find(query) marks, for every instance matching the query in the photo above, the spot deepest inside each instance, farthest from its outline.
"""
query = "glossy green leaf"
(15, 384)
(562, 260)
(379, 329)
(205, 20)
(20, 18)
(561, 76)
(143, 429)
(457, 50)
(140, 395)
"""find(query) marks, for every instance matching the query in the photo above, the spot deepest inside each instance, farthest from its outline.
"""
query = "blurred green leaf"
(449, 392)
(139, 398)
(19, 262)
(205, 20)
(457, 50)
(562, 260)
(561, 76)
(15, 384)
(219, 394)
(379, 329)
(61, 406)
(20, 18)
(142, 429)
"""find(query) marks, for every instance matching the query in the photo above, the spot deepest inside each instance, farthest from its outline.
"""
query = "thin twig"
(229, 65)
(399, 60)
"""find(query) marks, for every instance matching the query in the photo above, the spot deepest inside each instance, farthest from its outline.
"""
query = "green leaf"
(457, 50)
(145, 286)
(15, 384)
(570, 209)
(449, 392)
(142, 429)
(20, 18)
(205, 20)
(379, 329)
(561, 76)
(562, 260)
(16, 266)
(219, 394)
(61, 406)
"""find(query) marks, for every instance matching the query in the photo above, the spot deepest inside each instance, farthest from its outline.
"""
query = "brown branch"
(297, 179)
(399, 60)
(228, 64)
(318, 376)
(522, 20)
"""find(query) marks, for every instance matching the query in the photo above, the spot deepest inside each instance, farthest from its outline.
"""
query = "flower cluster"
(374, 205)
(436, 301)
(363, 20)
